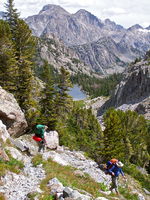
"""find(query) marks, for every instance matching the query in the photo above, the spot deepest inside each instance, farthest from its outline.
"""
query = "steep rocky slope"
(53, 50)
(27, 181)
(103, 55)
(133, 92)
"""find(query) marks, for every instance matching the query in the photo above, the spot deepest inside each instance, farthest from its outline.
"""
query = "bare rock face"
(3, 155)
(4, 135)
(52, 139)
(135, 85)
(11, 114)
(133, 92)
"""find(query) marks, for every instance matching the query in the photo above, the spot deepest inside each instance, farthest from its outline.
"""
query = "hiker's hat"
(119, 164)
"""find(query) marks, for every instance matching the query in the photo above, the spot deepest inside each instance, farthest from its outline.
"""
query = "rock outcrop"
(52, 139)
(4, 135)
(53, 50)
(133, 92)
(11, 115)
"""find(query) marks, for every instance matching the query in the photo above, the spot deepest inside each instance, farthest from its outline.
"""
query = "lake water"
(76, 93)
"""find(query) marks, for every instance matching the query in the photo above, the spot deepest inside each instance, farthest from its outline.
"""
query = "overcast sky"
(123, 12)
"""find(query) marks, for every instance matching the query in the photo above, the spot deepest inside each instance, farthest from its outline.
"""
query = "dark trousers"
(41, 145)
(114, 183)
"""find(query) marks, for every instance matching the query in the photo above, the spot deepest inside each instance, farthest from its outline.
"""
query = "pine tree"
(63, 100)
(8, 65)
(113, 141)
(125, 137)
(12, 16)
(24, 44)
(47, 103)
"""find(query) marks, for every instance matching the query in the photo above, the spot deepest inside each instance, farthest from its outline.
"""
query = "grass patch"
(126, 193)
(47, 197)
(37, 160)
(143, 179)
(66, 176)
(12, 165)
(79, 104)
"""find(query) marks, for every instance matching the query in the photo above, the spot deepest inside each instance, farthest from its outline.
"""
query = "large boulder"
(11, 115)
(52, 139)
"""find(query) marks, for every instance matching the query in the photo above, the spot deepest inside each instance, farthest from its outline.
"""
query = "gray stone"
(4, 135)
(101, 198)
(15, 153)
(55, 186)
(18, 143)
(146, 191)
(79, 173)
(11, 114)
(140, 197)
(77, 196)
(67, 192)
(52, 139)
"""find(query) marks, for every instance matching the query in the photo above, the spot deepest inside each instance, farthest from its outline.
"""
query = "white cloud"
(124, 12)
(113, 11)
(145, 24)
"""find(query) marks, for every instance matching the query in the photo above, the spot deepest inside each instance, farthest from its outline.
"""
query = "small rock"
(105, 192)
(140, 197)
(67, 192)
(146, 191)
(55, 185)
(101, 198)
(79, 173)
(15, 153)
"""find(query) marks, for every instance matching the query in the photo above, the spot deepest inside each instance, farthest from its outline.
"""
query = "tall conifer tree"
(63, 100)
(47, 103)
(8, 66)
(24, 44)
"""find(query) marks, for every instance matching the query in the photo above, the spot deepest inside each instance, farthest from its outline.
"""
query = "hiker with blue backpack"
(39, 136)
(115, 171)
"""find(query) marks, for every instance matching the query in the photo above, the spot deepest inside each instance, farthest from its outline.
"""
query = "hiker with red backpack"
(39, 136)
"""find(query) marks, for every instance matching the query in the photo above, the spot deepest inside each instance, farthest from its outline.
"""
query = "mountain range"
(103, 45)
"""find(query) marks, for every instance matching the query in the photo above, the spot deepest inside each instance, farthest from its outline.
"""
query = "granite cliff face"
(102, 56)
(103, 45)
(133, 92)
(57, 54)
(11, 115)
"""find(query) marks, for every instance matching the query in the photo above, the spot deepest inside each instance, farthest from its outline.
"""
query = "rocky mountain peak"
(50, 9)
(112, 25)
(148, 28)
(135, 27)
(85, 16)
